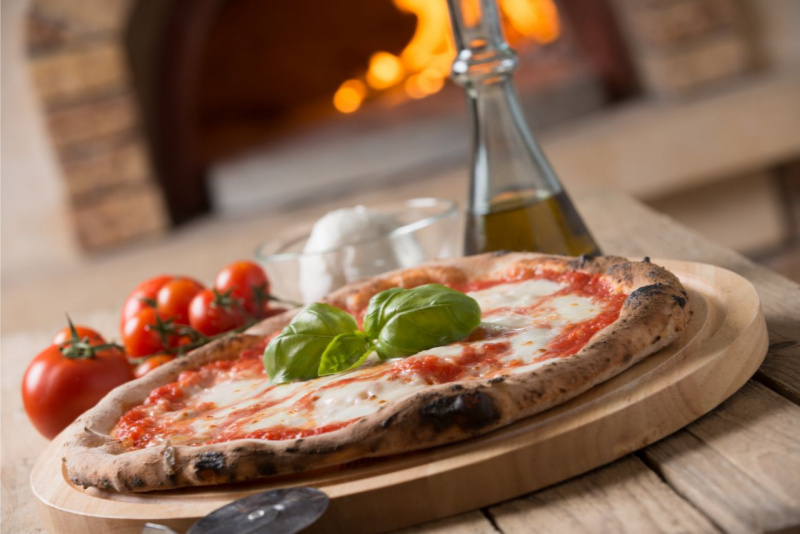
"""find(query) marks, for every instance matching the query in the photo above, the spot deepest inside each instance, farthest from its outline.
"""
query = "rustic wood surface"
(737, 469)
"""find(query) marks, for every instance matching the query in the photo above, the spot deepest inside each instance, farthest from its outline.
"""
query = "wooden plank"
(780, 371)
(469, 523)
(20, 442)
(624, 226)
(624, 496)
(740, 464)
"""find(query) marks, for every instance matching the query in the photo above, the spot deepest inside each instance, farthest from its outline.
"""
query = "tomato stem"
(81, 348)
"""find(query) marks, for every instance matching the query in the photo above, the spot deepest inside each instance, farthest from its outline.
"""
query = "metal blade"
(281, 511)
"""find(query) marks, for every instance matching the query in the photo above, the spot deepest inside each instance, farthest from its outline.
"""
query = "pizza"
(550, 328)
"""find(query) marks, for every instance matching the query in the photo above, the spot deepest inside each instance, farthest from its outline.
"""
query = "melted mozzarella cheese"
(358, 399)
(574, 309)
(515, 295)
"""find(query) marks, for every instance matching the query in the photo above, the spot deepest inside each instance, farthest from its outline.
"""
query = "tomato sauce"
(574, 337)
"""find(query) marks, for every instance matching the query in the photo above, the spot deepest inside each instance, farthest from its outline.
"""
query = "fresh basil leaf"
(297, 351)
(377, 309)
(346, 351)
(402, 322)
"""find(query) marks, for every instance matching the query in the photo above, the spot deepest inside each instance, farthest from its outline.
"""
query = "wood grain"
(740, 463)
(623, 497)
(469, 523)
(720, 349)
(626, 227)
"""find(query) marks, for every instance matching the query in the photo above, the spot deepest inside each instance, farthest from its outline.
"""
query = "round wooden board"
(723, 346)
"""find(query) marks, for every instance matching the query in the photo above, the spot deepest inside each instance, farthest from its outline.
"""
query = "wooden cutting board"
(723, 346)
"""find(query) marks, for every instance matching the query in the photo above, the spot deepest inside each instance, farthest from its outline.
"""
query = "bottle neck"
(483, 57)
(505, 156)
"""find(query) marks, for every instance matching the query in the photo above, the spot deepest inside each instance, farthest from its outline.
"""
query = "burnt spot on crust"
(646, 259)
(136, 482)
(497, 379)
(640, 296)
(467, 411)
(621, 272)
(328, 450)
(656, 339)
(456, 387)
(680, 300)
(389, 421)
(209, 461)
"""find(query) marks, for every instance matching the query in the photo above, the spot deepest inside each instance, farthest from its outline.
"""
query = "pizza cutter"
(280, 511)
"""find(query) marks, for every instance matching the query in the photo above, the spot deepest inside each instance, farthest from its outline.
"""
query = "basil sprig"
(323, 340)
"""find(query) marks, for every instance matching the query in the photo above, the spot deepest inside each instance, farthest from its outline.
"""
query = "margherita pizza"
(550, 328)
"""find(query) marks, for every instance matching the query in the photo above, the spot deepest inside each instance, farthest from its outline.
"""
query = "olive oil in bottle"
(516, 200)
(529, 221)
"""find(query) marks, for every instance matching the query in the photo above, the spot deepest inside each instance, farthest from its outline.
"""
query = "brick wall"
(680, 46)
(79, 68)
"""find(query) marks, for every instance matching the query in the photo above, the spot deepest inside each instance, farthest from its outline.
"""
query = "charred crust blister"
(641, 295)
(265, 467)
(468, 411)
(497, 379)
(680, 300)
(389, 421)
(209, 461)
(622, 272)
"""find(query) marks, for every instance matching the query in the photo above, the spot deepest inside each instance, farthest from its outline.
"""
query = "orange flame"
(423, 65)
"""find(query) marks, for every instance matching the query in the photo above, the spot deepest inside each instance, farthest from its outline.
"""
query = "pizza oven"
(161, 112)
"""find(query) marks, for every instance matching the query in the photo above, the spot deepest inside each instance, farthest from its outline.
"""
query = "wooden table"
(737, 469)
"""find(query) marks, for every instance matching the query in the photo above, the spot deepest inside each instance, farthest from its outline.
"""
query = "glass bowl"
(428, 228)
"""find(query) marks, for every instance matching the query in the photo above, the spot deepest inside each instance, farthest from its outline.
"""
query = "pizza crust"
(653, 315)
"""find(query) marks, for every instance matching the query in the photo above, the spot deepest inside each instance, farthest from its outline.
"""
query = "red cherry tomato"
(151, 363)
(84, 332)
(174, 297)
(211, 314)
(56, 389)
(138, 299)
(141, 337)
(246, 280)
